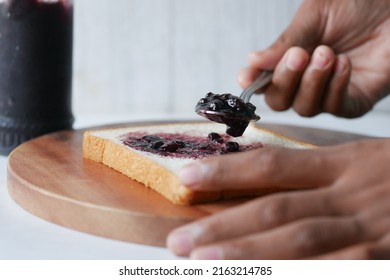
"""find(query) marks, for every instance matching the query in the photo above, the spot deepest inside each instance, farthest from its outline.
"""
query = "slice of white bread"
(160, 172)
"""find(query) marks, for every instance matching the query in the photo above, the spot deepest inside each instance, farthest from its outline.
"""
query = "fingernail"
(294, 61)
(210, 253)
(181, 243)
(320, 60)
(191, 175)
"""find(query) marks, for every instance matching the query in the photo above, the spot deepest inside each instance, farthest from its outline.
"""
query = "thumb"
(305, 31)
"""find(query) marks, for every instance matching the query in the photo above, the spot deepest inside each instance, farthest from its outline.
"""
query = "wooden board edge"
(83, 218)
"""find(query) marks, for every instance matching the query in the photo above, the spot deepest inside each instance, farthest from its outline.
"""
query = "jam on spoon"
(228, 109)
(236, 112)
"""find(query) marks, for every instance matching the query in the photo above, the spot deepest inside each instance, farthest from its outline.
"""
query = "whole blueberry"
(215, 137)
(232, 146)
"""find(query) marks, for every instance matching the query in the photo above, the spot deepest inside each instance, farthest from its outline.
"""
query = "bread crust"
(143, 170)
(155, 176)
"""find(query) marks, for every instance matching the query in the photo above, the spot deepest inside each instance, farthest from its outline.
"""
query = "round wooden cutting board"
(48, 177)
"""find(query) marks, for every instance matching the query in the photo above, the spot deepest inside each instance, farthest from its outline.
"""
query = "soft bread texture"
(160, 173)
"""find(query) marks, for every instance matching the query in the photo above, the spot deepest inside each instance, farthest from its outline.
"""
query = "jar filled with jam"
(35, 69)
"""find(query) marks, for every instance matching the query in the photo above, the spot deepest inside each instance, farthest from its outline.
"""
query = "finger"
(308, 99)
(260, 215)
(351, 201)
(267, 167)
(297, 240)
(381, 251)
(280, 94)
(333, 101)
(247, 76)
(366, 251)
(266, 59)
(376, 218)
(341, 99)
(355, 252)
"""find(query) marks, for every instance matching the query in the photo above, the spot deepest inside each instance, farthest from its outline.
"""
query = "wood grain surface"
(48, 177)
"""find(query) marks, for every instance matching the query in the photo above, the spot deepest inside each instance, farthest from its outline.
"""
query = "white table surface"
(24, 236)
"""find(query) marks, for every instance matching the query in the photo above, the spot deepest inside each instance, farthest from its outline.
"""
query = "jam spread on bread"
(184, 145)
(228, 109)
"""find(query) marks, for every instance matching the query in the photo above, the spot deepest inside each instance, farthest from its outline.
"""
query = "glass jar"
(35, 69)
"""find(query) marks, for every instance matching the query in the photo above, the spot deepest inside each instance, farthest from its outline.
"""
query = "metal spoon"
(264, 79)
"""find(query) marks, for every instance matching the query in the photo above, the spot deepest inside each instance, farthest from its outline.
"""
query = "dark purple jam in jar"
(185, 146)
(35, 69)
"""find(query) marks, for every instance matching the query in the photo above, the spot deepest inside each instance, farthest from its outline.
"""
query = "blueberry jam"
(184, 145)
(228, 109)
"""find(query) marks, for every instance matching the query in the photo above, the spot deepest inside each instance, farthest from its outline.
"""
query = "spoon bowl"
(236, 112)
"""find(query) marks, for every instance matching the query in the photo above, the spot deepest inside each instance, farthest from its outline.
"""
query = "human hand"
(334, 57)
(345, 216)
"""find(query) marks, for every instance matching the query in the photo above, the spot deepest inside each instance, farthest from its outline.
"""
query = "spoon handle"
(264, 79)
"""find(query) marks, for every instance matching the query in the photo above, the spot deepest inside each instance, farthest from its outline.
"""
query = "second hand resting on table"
(334, 57)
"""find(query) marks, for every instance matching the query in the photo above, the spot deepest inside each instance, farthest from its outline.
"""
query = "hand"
(345, 216)
(334, 57)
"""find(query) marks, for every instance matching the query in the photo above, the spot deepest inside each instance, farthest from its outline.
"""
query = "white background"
(162, 56)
